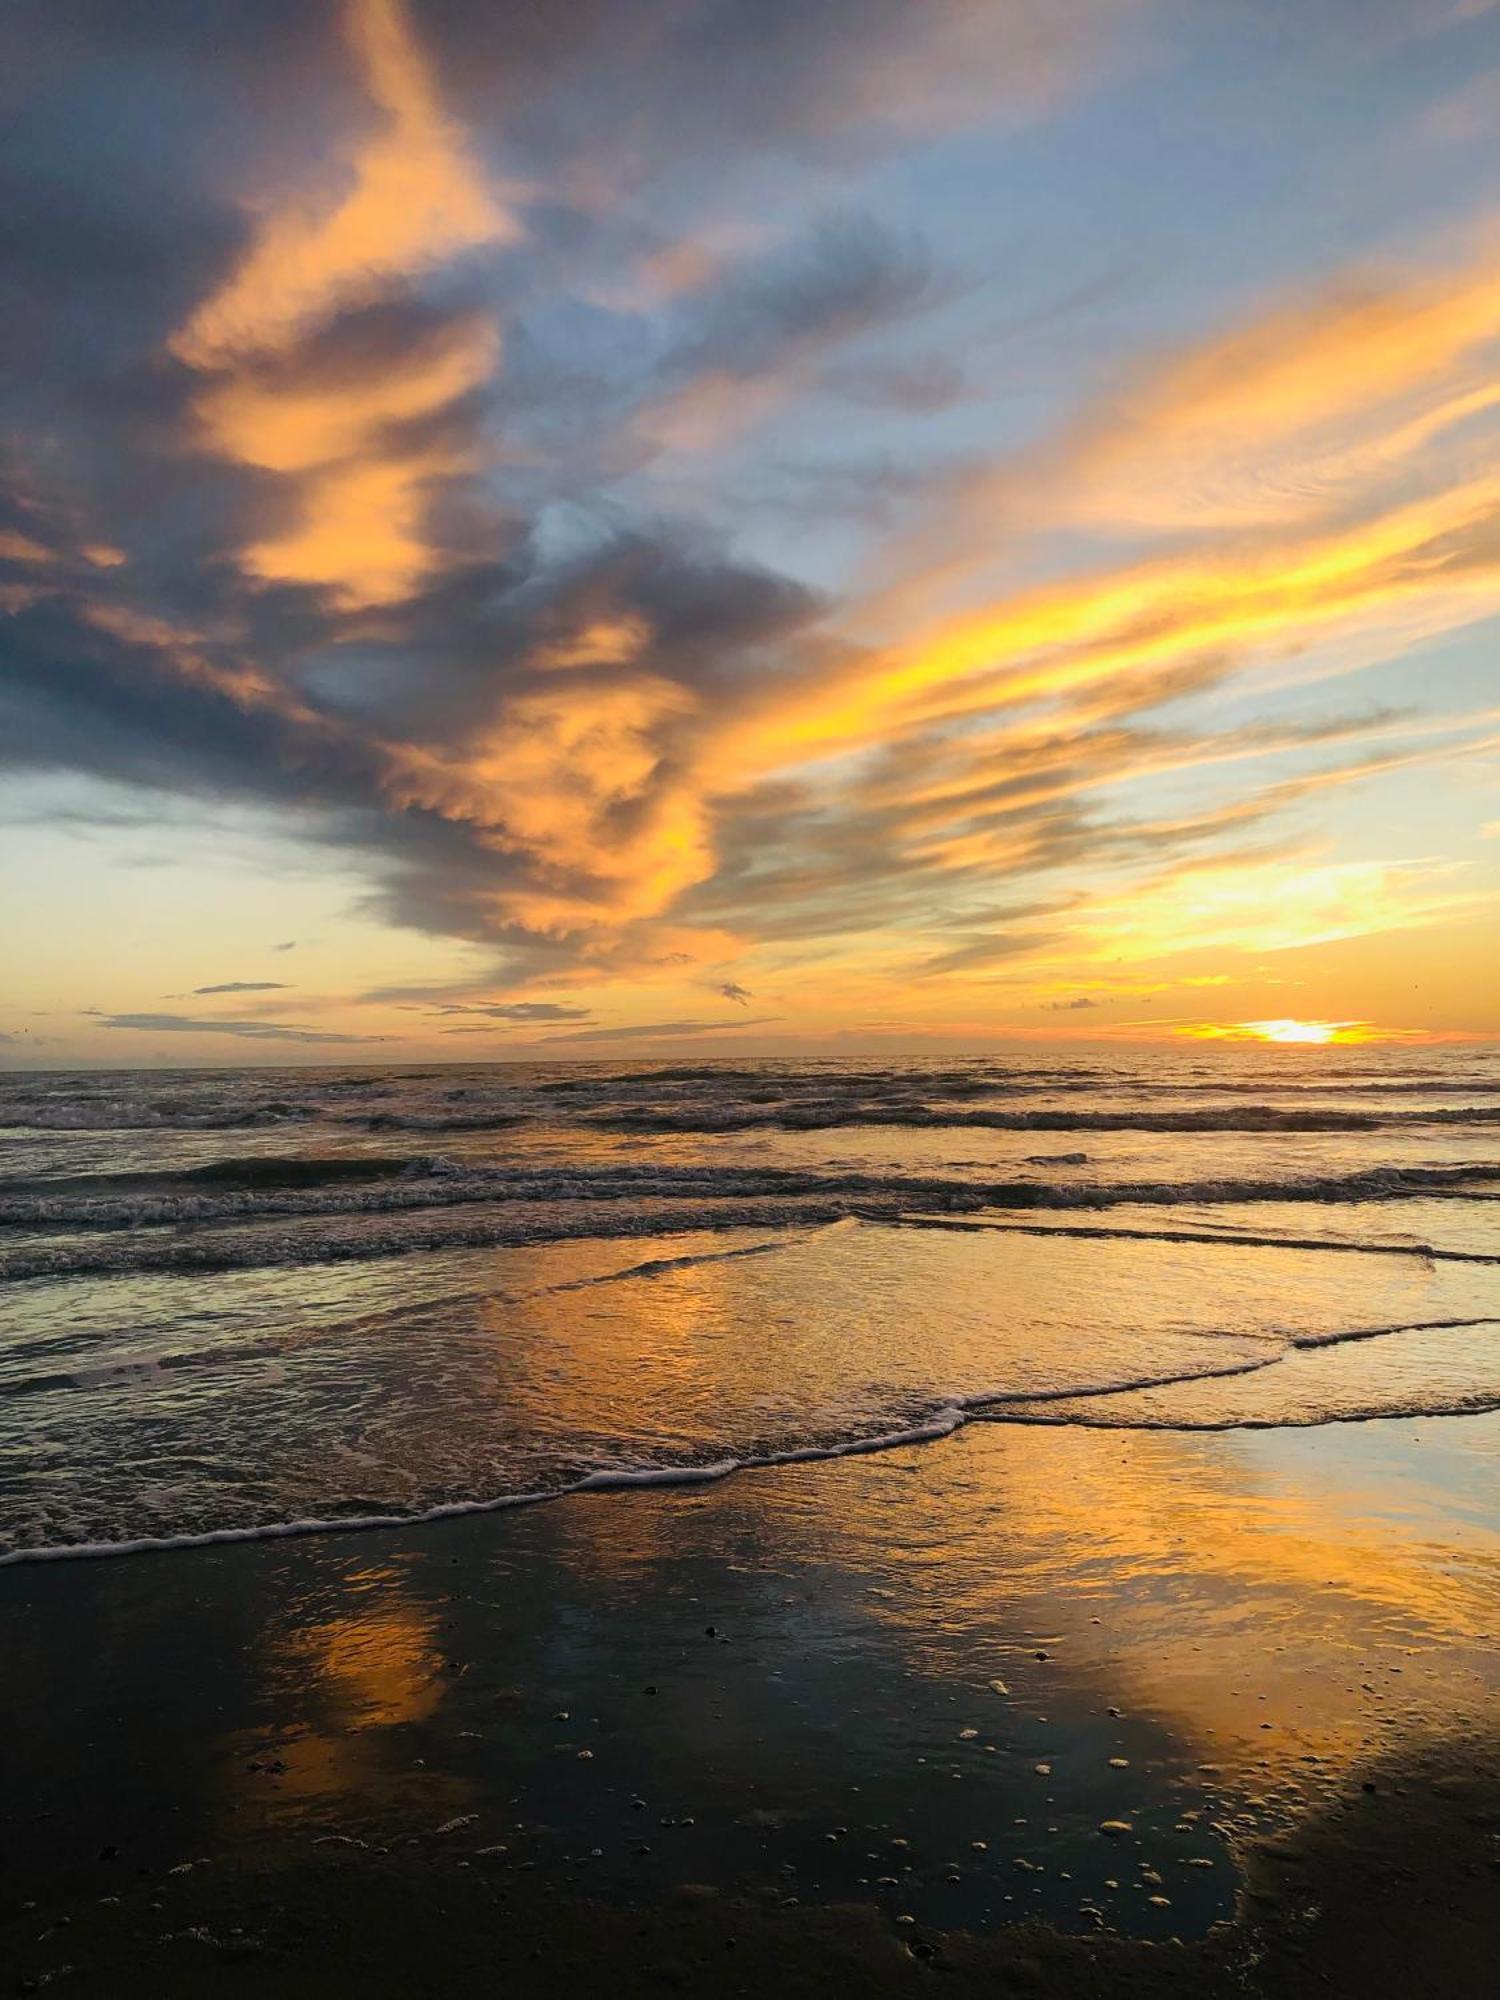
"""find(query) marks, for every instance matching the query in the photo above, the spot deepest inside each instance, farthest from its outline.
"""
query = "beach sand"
(845, 1725)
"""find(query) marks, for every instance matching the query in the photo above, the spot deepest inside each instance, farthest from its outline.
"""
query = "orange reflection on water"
(1261, 1620)
(378, 1667)
(1282, 1618)
(344, 1682)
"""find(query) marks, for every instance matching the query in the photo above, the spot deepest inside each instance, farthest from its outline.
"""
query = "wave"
(421, 1203)
(121, 1373)
(938, 1420)
(1098, 1232)
(1317, 1383)
(592, 1482)
(513, 1225)
(1238, 1118)
(730, 1096)
(1441, 1403)
(153, 1118)
(412, 1121)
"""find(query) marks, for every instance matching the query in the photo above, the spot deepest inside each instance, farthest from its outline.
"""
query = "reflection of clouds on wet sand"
(349, 1668)
(1281, 1607)
(930, 1643)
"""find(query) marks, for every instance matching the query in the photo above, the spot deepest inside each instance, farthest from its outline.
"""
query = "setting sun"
(1297, 1031)
(1309, 1033)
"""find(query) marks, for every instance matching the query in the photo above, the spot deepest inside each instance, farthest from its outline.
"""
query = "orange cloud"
(1317, 476)
(357, 493)
(405, 199)
(1269, 906)
(1271, 423)
(570, 774)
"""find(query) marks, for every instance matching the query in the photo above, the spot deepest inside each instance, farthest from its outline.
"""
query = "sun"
(1307, 1034)
(1294, 1031)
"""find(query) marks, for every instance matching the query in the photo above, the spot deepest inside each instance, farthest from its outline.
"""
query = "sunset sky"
(575, 529)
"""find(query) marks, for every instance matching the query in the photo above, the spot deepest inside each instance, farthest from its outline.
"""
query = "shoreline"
(946, 1422)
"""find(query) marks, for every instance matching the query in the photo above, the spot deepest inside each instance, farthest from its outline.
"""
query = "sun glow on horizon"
(1286, 1030)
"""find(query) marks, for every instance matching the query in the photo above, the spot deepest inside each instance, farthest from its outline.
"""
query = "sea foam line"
(1101, 1232)
(941, 1422)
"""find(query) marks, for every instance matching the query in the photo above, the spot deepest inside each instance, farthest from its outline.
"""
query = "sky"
(762, 526)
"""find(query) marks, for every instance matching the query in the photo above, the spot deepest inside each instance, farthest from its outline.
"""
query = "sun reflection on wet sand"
(1279, 1606)
(347, 1676)
(972, 1654)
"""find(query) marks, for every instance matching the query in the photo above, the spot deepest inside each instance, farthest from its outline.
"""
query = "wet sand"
(1069, 1712)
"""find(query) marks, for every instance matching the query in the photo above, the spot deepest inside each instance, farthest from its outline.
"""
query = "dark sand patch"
(1390, 1889)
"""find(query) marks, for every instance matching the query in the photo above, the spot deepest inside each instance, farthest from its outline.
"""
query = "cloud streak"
(243, 986)
(206, 1024)
(657, 1031)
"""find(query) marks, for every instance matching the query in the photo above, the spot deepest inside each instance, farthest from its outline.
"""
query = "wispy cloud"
(519, 1010)
(243, 986)
(206, 1024)
(656, 1031)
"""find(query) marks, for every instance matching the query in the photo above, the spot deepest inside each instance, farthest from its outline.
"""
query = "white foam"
(941, 1422)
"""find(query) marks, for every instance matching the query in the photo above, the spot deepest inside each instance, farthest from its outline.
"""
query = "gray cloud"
(981, 952)
(656, 1030)
(255, 1031)
(521, 1010)
(656, 91)
(850, 274)
(244, 986)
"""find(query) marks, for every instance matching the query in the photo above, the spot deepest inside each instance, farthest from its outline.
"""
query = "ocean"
(241, 1303)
